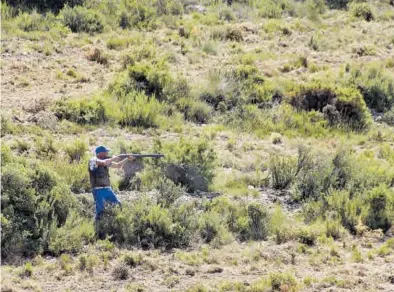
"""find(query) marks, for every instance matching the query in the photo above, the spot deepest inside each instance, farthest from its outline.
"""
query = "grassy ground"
(318, 235)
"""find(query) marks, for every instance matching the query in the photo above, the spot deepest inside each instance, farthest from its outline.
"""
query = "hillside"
(276, 119)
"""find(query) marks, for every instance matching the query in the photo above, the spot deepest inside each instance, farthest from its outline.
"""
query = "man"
(99, 178)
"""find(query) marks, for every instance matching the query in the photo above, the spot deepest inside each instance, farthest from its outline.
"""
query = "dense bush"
(342, 106)
(81, 19)
(82, 111)
(147, 77)
(76, 151)
(283, 171)
(146, 224)
(137, 110)
(381, 202)
(362, 10)
(137, 14)
(33, 199)
(76, 232)
(194, 110)
(388, 117)
(377, 87)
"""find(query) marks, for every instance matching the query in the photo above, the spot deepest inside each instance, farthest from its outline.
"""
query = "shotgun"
(138, 155)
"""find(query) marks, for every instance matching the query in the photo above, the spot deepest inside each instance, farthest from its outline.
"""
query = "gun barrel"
(138, 155)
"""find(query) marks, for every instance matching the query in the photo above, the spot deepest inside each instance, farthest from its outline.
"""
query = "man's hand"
(130, 157)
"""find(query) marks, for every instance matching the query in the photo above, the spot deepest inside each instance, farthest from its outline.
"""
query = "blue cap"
(102, 148)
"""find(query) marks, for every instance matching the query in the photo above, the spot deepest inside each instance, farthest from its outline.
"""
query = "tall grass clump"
(81, 19)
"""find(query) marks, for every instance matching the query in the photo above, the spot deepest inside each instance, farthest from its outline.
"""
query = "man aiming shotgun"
(100, 178)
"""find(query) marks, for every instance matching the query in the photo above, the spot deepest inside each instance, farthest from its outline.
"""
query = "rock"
(131, 168)
(188, 176)
(195, 8)
(43, 119)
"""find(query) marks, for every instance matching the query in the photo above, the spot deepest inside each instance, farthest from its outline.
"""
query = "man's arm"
(120, 163)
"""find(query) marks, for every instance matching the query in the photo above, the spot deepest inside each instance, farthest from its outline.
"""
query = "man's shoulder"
(92, 163)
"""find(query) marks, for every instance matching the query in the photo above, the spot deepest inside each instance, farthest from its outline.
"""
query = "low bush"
(341, 106)
(388, 117)
(120, 272)
(76, 151)
(117, 43)
(194, 110)
(279, 280)
(151, 78)
(362, 10)
(283, 171)
(82, 111)
(147, 225)
(8, 127)
(33, 199)
(138, 110)
(81, 19)
(169, 192)
(381, 201)
(376, 85)
(98, 56)
(71, 237)
(137, 14)
(132, 259)
(258, 221)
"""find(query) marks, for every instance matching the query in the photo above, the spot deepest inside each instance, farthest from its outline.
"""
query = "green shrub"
(307, 235)
(341, 106)
(120, 272)
(76, 151)
(82, 111)
(280, 280)
(333, 228)
(28, 269)
(362, 10)
(195, 111)
(74, 174)
(138, 110)
(7, 127)
(117, 43)
(258, 221)
(169, 192)
(71, 237)
(132, 260)
(33, 199)
(81, 19)
(388, 117)
(211, 229)
(137, 14)
(282, 170)
(31, 21)
(275, 9)
(376, 86)
(146, 224)
(151, 78)
(380, 205)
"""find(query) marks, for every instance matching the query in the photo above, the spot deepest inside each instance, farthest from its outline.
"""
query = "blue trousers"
(101, 196)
